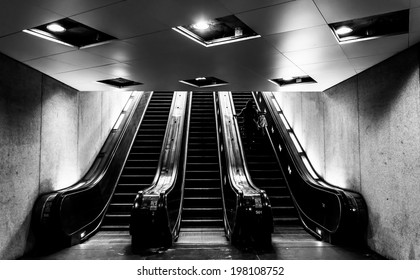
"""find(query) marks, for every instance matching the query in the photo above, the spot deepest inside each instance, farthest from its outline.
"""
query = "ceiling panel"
(307, 38)
(50, 66)
(341, 10)
(23, 47)
(132, 20)
(238, 6)
(377, 46)
(316, 55)
(18, 15)
(80, 79)
(167, 41)
(175, 13)
(117, 50)
(276, 73)
(73, 7)
(116, 70)
(284, 17)
(82, 59)
(362, 63)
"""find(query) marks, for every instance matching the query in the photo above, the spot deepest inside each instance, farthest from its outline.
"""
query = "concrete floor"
(288, 244)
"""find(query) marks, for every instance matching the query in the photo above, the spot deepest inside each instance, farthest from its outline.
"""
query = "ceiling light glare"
(288, 78)
(55, 27)
(344, 30)
(201, 25)
(200, 78)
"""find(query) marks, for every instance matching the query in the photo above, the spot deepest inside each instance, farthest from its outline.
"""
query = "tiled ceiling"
(296, 40)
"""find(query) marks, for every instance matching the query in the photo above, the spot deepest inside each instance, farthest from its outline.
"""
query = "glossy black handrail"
(71, 215)
(152, 223)
(330, 213)
(247, 208)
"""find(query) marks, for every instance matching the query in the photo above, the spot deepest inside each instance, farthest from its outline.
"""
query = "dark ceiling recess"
(218, 31)
(119, 82)
(296, 80)
(71, 33)
(204, 82)
(371, 27)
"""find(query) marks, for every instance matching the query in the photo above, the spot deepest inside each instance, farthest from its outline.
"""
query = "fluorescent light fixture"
(309, 167)
(55, 27)
(294, 80)
(288, 78)
(275, 104)
(344, 30)
(295, 142)
(130, 100)
(119, 121)
(200, 78)
(43, 36)
(283, 119)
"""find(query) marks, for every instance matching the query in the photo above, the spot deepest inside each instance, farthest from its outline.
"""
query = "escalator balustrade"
(142, 163)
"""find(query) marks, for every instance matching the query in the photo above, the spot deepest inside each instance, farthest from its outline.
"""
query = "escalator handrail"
(241, 147)
(237, 171)
(167, 170)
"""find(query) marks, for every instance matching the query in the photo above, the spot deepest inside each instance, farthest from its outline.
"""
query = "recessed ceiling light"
(201, 25)
(223, 30)
(204, 82)
(344, 30)
(288, 78)
(71, 33)
(295, 80)
(119, 82)
(372, 27)
(55, 27)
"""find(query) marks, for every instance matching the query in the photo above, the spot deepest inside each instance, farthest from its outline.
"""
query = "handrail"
(150, 222)
(251, 222)
(66, 217)
(330, 213)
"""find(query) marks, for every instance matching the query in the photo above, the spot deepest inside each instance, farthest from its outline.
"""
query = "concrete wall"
(366, 137)
(49, 136)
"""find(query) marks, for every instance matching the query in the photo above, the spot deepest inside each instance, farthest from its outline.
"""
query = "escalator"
(142, 163)
(265, 171)
(202, 205)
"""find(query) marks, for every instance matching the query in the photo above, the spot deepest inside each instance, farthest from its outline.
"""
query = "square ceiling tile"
(176, 13)
(50, 66)
(82, 59)
(316, 55)
(73, 7)
(83, 77)
(123, 20)
(391, 44)
(283, 17)
(22, 47)
(313, 37)
(117, 70)
(117, 50)
(238, 6)
(341, 10)
(17, 15)
(361, 63)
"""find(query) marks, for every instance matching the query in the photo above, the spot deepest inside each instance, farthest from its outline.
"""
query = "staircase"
(202, 205)
(265, 171)
(141, 165)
